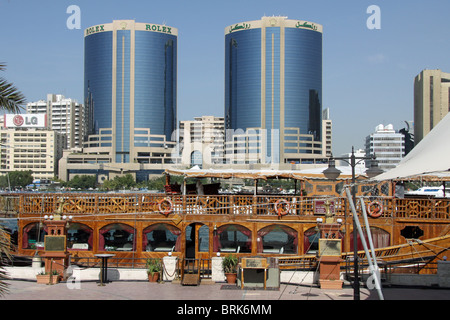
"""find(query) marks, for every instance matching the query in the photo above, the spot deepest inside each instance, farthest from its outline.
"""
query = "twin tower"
(273, 87)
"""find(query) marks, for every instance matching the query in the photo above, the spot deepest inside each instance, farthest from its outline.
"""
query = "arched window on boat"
(381, 238)
(277, 239)
(117, 237)
(79, 237)
(232, 238)
(33, 236)
(311, 240)
(161, 237)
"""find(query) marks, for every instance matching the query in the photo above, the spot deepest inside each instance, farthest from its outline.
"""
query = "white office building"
(387, 145)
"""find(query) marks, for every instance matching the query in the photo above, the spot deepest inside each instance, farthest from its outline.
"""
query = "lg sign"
(25, 120)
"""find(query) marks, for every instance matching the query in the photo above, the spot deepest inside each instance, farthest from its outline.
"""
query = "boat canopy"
(316, 173)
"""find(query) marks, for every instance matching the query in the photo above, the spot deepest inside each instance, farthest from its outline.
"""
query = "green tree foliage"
(11, 99)
(120, 182)
(16, 179)
(83, 182)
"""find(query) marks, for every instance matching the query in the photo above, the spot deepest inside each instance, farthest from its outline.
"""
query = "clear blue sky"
(368, 75)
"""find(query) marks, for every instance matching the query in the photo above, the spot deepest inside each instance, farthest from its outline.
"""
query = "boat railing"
(236, 205)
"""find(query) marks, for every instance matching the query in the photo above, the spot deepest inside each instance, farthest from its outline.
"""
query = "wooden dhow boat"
(409, 233)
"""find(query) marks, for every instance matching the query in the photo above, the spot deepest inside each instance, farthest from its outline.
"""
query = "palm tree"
(4, 257)
(11, 99)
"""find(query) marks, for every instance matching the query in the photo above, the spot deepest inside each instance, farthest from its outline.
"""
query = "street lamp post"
(332, 173)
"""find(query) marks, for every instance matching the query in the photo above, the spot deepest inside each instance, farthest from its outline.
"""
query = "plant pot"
(154, 277)
(45, 279)
(231, 277)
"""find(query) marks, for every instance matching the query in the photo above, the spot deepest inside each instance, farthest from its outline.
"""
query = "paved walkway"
(142, 290)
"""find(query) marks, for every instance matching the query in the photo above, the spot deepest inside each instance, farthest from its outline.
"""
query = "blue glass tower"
(130, 80)
(273, 84)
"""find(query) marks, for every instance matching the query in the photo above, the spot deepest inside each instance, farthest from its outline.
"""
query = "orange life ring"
(375, 209)
(281, 211)
(165, 209)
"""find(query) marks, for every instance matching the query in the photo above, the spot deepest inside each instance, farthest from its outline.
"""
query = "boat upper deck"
(211, 207)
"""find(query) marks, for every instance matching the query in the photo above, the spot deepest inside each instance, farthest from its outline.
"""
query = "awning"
(196, 172)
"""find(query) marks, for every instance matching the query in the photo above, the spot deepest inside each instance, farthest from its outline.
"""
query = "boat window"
(11, 228)
(277, 239)
(380, 238)
(79, 237)
(33, 236)
(311, 241)
(203, 238)
(232, 238)
(161, 237)
(411, 232)
(117, 237)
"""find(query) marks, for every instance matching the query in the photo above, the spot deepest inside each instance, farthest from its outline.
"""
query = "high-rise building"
(130, 79)
(65, 115)
(130, 86)
(431, 101)
(387, 145)
(273, 87)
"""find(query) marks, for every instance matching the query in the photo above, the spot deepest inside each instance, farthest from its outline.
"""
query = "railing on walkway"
(183, 266)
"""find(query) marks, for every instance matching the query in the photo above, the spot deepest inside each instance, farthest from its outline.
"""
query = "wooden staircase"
(190, 272)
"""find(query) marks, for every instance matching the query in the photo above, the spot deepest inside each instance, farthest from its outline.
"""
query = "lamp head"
(331, 172)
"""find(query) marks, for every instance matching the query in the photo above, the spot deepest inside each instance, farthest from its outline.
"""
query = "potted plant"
(44, 277)
(229, 264)
(153, 269)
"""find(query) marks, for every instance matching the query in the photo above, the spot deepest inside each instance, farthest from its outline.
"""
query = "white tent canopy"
(431, 157)
(315, 173)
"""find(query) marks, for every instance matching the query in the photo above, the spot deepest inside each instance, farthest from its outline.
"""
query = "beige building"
(30, 148)
(65, 116)
(201, 141)
(431, 101)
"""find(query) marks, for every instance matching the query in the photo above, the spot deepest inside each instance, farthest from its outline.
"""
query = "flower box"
(45, 278)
